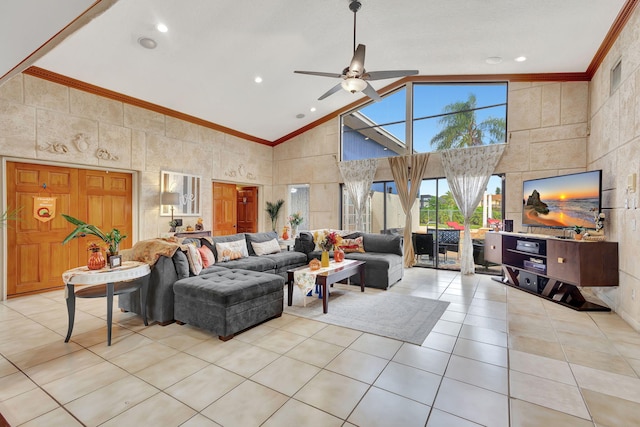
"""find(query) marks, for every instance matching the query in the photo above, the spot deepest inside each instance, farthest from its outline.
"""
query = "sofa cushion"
(352, 245)
(259, 238)
(287, 259)
(229, 287)
(221, 239)
(304, 243)
(181, 264)
(253, 263)
(231, 250)
(195, 260)
(383, 243)
(192, 241)
(207, 256)
(265, 248)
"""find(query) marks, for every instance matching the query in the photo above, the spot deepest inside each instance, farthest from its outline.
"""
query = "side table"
(107, 283)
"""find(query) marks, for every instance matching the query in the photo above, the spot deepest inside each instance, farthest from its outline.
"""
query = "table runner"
(305, 279)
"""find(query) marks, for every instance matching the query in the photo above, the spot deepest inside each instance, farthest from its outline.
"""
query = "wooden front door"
(36, 256)
(248, 210)
(224, 209)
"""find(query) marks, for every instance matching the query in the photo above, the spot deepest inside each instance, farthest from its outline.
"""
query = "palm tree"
(462, 130)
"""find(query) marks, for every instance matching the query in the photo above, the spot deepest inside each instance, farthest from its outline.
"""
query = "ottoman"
(229, 301)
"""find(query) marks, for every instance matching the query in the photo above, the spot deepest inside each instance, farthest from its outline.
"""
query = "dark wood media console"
(553, 268)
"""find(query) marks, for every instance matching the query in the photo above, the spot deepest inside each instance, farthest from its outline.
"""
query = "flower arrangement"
(326, 240)
(295, 219)
(95, 247)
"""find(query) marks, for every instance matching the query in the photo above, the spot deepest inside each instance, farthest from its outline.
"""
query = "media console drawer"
(583, 263)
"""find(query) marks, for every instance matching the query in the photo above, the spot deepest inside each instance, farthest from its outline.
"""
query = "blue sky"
(430, 99)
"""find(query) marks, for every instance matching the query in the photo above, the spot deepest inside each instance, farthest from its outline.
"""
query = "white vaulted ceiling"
(205, 65)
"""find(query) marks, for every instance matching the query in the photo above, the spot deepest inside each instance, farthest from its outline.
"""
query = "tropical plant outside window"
(445, 115)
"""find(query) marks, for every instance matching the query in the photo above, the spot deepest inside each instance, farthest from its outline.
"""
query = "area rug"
(387, 314)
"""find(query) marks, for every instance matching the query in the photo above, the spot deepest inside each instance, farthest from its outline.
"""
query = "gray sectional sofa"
(169, 270)
(383, 256)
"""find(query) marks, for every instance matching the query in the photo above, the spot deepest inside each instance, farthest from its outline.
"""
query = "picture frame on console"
(188, 187)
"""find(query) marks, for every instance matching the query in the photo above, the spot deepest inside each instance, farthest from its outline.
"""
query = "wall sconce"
(169, 198)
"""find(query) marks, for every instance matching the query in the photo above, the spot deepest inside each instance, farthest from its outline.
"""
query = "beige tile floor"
(497, 357)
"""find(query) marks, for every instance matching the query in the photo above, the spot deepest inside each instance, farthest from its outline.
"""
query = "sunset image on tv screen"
(562, 201)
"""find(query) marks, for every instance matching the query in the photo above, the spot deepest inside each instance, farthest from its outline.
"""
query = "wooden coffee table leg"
(325, 297)
(290, 289)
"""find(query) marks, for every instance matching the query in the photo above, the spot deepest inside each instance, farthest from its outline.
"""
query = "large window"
(444, 115)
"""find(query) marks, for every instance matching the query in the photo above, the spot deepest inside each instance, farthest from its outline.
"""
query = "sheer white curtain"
(468, 171)
(358, 177)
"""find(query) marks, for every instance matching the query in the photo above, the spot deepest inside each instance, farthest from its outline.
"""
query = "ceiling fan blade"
(371, 92)
(321, 74)
(357, 62)
(331, 91)
(380, 75)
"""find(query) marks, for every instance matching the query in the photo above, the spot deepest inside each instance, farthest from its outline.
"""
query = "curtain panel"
(358, 176)
(468, 171)
(407, 173)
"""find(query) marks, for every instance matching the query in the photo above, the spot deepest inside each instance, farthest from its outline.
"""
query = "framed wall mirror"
(188, 188)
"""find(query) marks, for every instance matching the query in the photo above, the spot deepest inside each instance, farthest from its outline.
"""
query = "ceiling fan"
(355, 78)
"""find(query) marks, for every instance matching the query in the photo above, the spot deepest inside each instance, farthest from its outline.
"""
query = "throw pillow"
(207, 256)
(264, 248)
(228, 251)
(352, 245)
(195, 261)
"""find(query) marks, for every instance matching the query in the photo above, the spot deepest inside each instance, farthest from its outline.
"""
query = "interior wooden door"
(224, 209)
(36, 256)
(247, 209)
(106, 203)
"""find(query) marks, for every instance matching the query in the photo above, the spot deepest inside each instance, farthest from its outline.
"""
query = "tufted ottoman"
(229, 301)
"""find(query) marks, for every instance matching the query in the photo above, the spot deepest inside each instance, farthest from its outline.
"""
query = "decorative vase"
(294, 232)
(577, 236)
(285, 234)
(324, 260)
(96, 261)
(338, 254)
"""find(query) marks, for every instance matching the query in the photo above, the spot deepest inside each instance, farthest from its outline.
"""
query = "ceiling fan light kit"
(354, 77)
(353, 85)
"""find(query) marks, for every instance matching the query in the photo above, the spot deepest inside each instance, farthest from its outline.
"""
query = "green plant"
(112, 238)
(9, 215)
(273, 209)
(578, 229)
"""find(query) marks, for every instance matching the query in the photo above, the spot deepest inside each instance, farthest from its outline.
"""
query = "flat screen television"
(562, 201)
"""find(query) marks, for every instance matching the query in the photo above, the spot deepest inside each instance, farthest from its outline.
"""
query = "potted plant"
(9, 215)
(112, 238)
(273, 209)
(577, 232)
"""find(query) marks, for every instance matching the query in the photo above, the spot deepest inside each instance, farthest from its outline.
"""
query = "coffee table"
(337, 271)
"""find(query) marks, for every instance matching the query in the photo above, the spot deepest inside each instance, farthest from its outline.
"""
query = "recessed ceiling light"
(520, 59)
(162, 28)
(258, 79)
(300, 116)
(312, 109)
(147, 42)
(493, 60)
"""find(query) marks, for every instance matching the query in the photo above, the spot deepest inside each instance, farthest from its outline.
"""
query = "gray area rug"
(384, 313)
